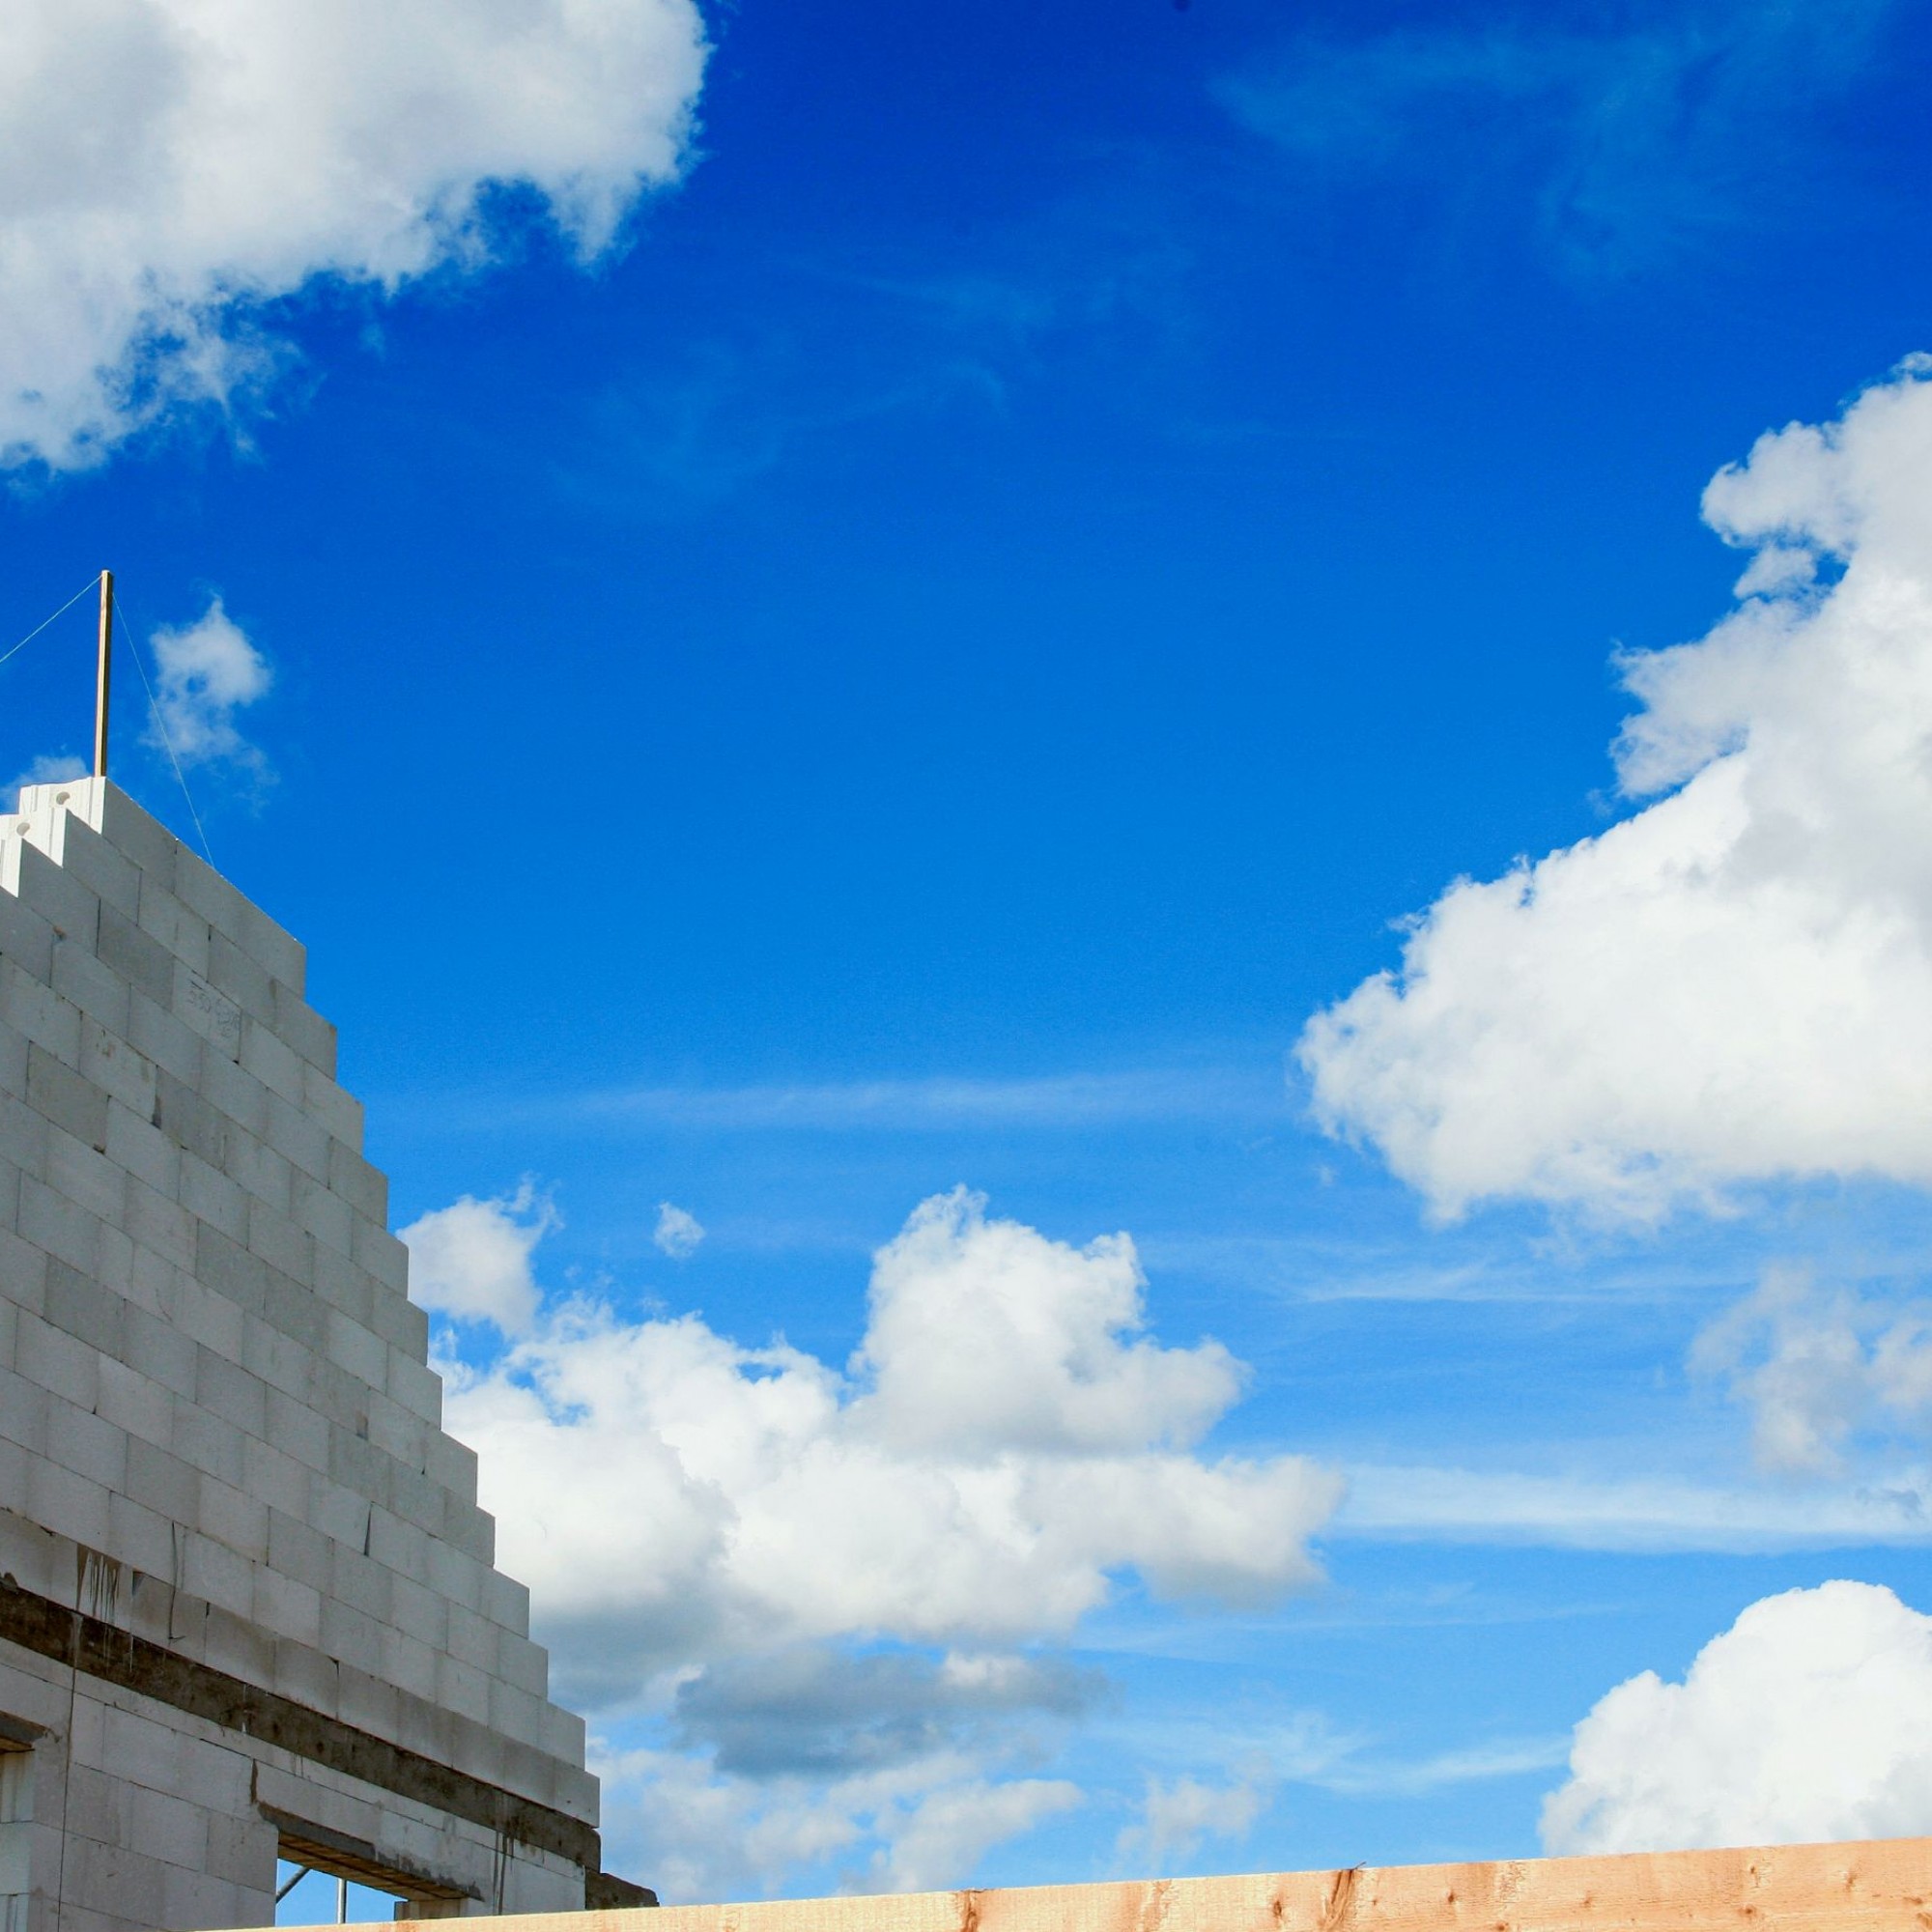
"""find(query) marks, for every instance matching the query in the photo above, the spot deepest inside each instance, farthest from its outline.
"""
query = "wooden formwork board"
(1880, 1885)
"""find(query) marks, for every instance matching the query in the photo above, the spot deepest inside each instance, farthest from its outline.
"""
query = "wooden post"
(103, 665)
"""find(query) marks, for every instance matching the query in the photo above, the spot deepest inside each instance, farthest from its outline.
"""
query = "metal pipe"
(103, 663)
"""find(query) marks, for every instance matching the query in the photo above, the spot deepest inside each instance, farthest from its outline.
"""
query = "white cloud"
(705, 1837)
(818, 1710)
(948, 1831)
(1651, 1513)
(1815, 1365)
(678, 1232)
(204, 673)
(471, 1261)
(1629, 134)
(883, 1763)
(1734, 983)
(171, 168)
(1475, 1764)
(1176, 1817)
(1806, 1721)
(829, 1597)
(938, 1105)
(996, 1452)
(48, 768)
(796, 1500)
(984, 1336)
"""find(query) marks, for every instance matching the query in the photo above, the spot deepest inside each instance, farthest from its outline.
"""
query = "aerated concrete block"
(218, 1426)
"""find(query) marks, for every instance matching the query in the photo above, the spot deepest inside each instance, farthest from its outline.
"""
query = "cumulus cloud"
(170, 169)
(1815, 1365)
(949, 1829)
(831, 1594)
(1804, 1722)
(48, 768)
(678, 1232)
(885, 1763)
(996, 1452)
(704, 1837)
(204, 673)
(1177, 1817)
(813, 1710)
(1734, 983)
(985, 1336)
(471, 1261)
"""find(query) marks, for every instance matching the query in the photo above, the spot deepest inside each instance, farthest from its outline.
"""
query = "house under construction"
(248, 1607)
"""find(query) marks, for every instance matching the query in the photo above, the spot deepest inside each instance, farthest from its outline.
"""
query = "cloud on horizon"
(1176, 1816)
(1803, 1722)
(250, 153)
(1734, 984)
(703, 1837)
(46, 768)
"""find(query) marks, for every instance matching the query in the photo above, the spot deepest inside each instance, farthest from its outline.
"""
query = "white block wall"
(211, 1376)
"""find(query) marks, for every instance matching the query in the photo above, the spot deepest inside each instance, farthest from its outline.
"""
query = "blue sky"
(926, 658)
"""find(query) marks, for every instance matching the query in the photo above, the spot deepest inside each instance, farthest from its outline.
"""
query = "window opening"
(307, 1896)
(16, 1816)
(322, 1878)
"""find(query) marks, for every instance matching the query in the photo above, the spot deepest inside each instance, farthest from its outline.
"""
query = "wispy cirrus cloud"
(1449, 1505)
(1091, 287)
(1472, 1764)
(1311, 1268)
(1217, 1772)
(1619, 141)
(891, 1106)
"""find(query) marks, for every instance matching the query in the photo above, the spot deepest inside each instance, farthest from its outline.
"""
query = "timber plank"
(1882, 1885)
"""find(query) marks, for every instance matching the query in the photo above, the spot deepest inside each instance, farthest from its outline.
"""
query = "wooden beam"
(1881, 1884)
(103, 663)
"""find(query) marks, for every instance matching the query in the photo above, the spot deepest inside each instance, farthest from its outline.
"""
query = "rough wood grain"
(1880, 1886)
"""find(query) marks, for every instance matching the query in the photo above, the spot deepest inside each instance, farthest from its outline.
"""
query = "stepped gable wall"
(247, 1599)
